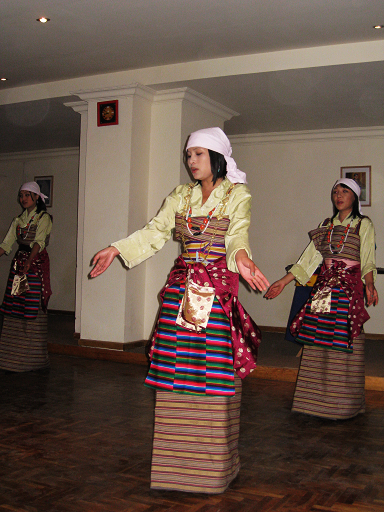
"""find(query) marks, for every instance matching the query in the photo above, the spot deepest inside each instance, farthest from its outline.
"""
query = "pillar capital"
(124, 91)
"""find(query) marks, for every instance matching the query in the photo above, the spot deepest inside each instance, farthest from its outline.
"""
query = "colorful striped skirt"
(330, 383)
(191, 362)
(26, 305)
(195, 444)
(23, 343)
(23, 340)
(328, 329)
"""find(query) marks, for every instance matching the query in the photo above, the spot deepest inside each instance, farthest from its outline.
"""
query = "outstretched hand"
(275, 289)
(278, 286)
(102, 260)
(250, 272)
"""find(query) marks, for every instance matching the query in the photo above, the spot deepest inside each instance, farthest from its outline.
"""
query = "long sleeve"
(306, 265)
(367, 248)
(144, 243)
(44, 227)
(10, 237)
(239, 213)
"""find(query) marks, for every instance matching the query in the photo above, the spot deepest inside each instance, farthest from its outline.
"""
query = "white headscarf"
(216, 140)
(32, 186)
(352, 185)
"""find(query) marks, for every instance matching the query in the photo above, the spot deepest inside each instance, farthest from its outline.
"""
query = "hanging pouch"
(196, 306)
(321, 301)
(20, 285)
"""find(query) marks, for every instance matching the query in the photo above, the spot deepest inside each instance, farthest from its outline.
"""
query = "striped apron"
(197, 414)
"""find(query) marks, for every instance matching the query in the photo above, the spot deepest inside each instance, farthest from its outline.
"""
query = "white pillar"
(114, 204)
(82, 108)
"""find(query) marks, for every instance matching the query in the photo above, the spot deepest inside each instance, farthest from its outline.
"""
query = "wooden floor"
(78, 439)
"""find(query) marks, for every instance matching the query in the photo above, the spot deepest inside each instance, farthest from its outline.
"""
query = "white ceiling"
(91, 37)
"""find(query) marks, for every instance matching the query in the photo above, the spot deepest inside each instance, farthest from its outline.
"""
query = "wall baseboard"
(270, 328)
(60, 312)
(111, 345)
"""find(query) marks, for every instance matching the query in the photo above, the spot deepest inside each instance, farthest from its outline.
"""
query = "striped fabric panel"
(26, 305)
(23, 343)
(216, 251)
(190, 362)
(330, 329)
(351, 248)
(195, 446)
(27, 235)
(330, 384)
(201, 242)
(218, 226)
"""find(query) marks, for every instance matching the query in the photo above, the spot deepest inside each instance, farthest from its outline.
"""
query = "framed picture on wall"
(46, 187)
(107, 113)
(362, 176)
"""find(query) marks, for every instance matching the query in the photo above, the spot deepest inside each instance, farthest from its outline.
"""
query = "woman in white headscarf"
(331, 377)
(23, 341)
(204, 340)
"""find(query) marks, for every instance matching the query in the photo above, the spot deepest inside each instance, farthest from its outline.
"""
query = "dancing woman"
(23, 341)
(331, 377)
(204, 341)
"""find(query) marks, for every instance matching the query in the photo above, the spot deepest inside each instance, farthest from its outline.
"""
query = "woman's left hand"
(372, 295)
(26, 267)
(250, 272)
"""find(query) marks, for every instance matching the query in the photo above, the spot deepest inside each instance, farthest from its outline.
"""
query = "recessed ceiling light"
(43, 20)
(378, 26)
(3, 79)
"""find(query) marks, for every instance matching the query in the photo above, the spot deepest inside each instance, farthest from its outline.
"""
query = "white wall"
(19, 168)
(290, 176)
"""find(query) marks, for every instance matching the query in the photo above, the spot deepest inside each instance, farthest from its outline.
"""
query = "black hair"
(355, 206)
(40, 206)
(218, 165)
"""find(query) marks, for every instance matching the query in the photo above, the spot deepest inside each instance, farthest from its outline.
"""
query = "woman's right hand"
(275, 289)
(102, 260)
(278, 286)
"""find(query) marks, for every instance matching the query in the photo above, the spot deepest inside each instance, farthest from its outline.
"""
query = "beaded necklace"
(27, 226)
(204, 225)
(342, 241)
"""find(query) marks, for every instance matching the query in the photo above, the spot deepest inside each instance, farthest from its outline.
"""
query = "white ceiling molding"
(39, 154)
(185, 93)
(124, 91)
(308, 135)
(77, 106)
